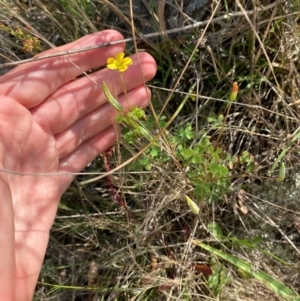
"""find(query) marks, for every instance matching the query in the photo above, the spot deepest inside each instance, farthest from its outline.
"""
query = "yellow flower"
(119, 62)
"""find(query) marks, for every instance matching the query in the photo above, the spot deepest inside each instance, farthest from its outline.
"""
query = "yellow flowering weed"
(119, 62)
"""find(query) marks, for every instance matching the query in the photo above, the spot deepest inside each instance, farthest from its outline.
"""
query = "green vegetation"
(204, 200)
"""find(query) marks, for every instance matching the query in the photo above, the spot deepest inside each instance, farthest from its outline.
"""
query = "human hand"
(51, 122)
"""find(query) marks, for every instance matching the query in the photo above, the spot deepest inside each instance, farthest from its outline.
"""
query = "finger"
(31, 83)
(7, 253)
(79, 97)
(98, 120)
(85, 153)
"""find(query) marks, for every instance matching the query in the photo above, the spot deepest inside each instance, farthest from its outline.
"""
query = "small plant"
(208, 169)
(30, 43)
(247, 160)
(132, 118)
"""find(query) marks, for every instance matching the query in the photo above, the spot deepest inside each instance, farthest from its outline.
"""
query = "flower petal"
(112, 66)
(123, 68)
(110, 60)
(127, 61)
(119, 57)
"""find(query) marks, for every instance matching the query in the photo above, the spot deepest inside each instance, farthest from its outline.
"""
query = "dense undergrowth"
(205, 204)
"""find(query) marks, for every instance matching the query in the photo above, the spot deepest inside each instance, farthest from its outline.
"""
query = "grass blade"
(276, 286)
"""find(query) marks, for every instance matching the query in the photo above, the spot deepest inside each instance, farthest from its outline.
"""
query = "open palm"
(51, 121)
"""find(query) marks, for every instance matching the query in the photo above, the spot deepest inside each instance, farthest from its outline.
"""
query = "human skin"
(51, 122)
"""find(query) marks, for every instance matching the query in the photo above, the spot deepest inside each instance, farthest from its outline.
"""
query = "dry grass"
(138, 246)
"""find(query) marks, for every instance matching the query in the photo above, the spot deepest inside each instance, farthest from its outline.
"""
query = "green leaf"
(187, 153)
(111, 99)
(281, 175)
(251, 167)
(196, 159)
(120, 119)
(245, 157)
(145, 161)
(219, 277)
(224, 171)
(214, 197)
(191, 174)
(215, 229)
(137, 113)
(214, 168)
(154, 151)
(294, 139)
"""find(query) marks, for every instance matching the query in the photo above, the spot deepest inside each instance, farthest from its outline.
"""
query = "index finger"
(32, 83)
